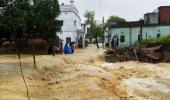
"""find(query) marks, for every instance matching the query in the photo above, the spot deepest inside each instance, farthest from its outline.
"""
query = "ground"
(83, 76)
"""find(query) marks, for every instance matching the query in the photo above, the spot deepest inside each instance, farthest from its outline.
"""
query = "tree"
(90, 20)
(98, 32)
(112, 19)
(90, 17)
(5, 3)
(26, 19)
(23, 19)
(45, 12)
(95, 29)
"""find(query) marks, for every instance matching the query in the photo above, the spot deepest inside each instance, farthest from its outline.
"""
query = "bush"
(159, 41)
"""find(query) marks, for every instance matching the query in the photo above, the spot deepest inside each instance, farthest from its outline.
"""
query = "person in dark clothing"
(72, 46)
(115, 41)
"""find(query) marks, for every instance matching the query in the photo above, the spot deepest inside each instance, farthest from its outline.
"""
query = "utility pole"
(103, 32)
(141, 35)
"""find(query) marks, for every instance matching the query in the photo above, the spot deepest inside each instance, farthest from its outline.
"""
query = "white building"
(72, 29)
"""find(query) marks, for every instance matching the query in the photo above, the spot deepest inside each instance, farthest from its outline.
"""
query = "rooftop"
(135, 24)
(69, 7)
(164, 7)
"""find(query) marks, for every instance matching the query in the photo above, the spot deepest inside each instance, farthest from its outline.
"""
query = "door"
(68, 40)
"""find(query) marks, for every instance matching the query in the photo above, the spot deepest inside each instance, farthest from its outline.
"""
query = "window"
(158, 35)
(75, 23)
(122, 38)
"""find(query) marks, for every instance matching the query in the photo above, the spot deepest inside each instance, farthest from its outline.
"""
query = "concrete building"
(164, 14)
(160, 15)
(72, 30)
(154, 25)
(151, 18)
(129, 35)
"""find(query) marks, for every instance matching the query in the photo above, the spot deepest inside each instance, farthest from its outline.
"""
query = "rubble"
(154, 54)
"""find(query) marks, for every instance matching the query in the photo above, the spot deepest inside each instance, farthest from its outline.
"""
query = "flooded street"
(83, 76)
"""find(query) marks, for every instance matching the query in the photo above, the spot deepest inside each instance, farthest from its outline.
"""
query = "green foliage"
(2, 2)
(98, 30)
(95, 29)
(13, 19)
(90, 17)
(114, 19)
(25, 19)
(90, 20)
(153, 42)
(45, 12)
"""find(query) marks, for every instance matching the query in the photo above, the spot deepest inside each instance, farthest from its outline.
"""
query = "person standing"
(72, 46)
(115, 41)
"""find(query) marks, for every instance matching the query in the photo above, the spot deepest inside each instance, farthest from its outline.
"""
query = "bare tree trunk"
(97, 41)
(53, 50)
(33, 52)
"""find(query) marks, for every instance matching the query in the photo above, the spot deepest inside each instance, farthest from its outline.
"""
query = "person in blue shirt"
(67, 49)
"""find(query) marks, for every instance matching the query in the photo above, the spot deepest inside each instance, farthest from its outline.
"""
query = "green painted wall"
(131, 34)
(119, 32)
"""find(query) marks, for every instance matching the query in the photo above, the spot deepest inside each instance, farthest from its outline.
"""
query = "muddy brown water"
(83, 76)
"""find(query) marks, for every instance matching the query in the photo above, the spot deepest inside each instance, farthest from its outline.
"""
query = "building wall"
(68, 21)
(131, 34)
(134, 35)
(64, 35)
(164, 14)
(151, 32)
(151, 18)
(71, 23)
(120, 32)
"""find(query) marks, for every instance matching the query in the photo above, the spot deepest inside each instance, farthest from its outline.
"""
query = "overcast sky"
(131, 10)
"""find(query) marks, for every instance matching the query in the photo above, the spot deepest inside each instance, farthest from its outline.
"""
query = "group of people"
(69, 48)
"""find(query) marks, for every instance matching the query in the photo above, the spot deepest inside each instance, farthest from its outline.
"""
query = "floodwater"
(83, 76)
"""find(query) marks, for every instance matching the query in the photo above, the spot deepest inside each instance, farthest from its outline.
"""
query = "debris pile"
(159, 53)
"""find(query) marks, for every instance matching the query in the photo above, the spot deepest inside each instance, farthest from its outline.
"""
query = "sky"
(131, 10)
